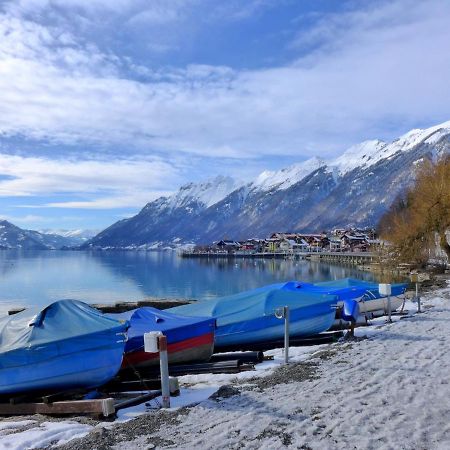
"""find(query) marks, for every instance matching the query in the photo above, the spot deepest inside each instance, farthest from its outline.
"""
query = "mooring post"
(418, 298)
(286, 334)
(283, 313)
(389, 309)
(164, 366)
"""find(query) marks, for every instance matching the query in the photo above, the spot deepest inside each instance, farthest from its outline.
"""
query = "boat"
(189, 339)
(63, 346)
(371, 301)
(250, 317)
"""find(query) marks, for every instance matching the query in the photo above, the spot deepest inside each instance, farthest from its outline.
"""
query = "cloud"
(374, 72)
(25, 220)
(105, 184)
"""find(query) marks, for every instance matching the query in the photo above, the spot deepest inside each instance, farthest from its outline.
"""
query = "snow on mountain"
(285, 178)
(208, 193)
(343, 192)
(13, 237)
(419, 136)
(369, 153)
(81, 234)
(359, 155)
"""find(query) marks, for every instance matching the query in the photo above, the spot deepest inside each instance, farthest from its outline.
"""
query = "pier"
(354, 258)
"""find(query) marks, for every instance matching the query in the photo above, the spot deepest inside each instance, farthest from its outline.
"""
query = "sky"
(106, 105)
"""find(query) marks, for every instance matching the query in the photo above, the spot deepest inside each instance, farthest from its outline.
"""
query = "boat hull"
(199, 348)
(88, 369)
(379, 304)
(269, 328)
(251, 316)
(63, 346)
(189, 339)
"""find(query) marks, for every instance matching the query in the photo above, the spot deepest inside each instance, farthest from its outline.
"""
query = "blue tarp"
(250, 316)
(259, 302)
(372, 288)
(63, 327)
(349, 292)
(176, 328)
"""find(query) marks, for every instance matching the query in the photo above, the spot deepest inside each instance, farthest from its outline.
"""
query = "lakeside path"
(389, 389)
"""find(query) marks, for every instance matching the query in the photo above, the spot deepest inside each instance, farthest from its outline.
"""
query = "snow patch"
(43, 435)
(285, 178)
(208, 193)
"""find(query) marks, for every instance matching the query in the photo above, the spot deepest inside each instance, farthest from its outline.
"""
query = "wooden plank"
(103, 407)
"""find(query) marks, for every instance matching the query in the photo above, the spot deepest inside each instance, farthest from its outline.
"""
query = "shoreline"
(365, 393)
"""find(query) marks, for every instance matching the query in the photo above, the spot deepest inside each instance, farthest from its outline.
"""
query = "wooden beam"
(103, 407)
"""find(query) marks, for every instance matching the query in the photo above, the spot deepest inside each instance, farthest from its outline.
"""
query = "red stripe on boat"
(140, 356)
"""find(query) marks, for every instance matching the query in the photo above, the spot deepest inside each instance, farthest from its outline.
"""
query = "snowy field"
(389, 389)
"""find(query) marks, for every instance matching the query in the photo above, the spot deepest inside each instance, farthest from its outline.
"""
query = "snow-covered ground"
(389, 391)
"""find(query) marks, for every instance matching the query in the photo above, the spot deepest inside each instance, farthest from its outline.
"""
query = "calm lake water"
(37, 278)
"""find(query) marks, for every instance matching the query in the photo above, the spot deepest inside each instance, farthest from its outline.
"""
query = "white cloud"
(378, 72)
(106, 184)
(25, 220)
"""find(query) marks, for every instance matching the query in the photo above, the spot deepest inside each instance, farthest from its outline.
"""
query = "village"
(284, 244)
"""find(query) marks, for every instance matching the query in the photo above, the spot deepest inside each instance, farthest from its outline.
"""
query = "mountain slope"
(13, 237)
(354, 189)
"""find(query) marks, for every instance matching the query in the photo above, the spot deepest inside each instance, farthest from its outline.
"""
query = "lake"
(39, 277)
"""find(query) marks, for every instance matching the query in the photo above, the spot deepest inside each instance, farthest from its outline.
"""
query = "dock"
(354, 258)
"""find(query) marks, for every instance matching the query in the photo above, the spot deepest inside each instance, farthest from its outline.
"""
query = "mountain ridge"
(14, 237)
(353, 189)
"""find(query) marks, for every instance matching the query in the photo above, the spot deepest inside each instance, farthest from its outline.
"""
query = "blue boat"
(66, 345)
(189, 339)
(249, 317)
(371, 299)
(397, 289)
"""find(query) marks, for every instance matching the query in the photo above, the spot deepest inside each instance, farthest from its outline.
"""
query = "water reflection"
(41, 276)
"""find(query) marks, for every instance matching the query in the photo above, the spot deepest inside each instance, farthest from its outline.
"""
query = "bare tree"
(413, 220)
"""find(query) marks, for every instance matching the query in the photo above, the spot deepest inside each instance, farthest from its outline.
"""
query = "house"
(354, 242)
(227, 245)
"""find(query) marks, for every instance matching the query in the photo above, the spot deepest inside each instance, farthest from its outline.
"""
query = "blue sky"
(108, 104)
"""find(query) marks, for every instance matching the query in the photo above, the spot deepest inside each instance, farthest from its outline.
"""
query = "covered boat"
(249, 317)
(189, 339)
(371, 299)
(66, 345)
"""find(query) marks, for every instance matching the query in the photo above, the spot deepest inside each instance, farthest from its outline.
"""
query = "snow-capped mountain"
(72, 237)
(13, 237)
(354, 189)
(285, 178)
(205, 194)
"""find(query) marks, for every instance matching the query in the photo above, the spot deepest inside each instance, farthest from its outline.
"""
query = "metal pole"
(286, 334)
(418, 298)
(389, 308)
(164, 366)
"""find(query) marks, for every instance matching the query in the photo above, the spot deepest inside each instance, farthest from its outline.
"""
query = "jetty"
(354, 258)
